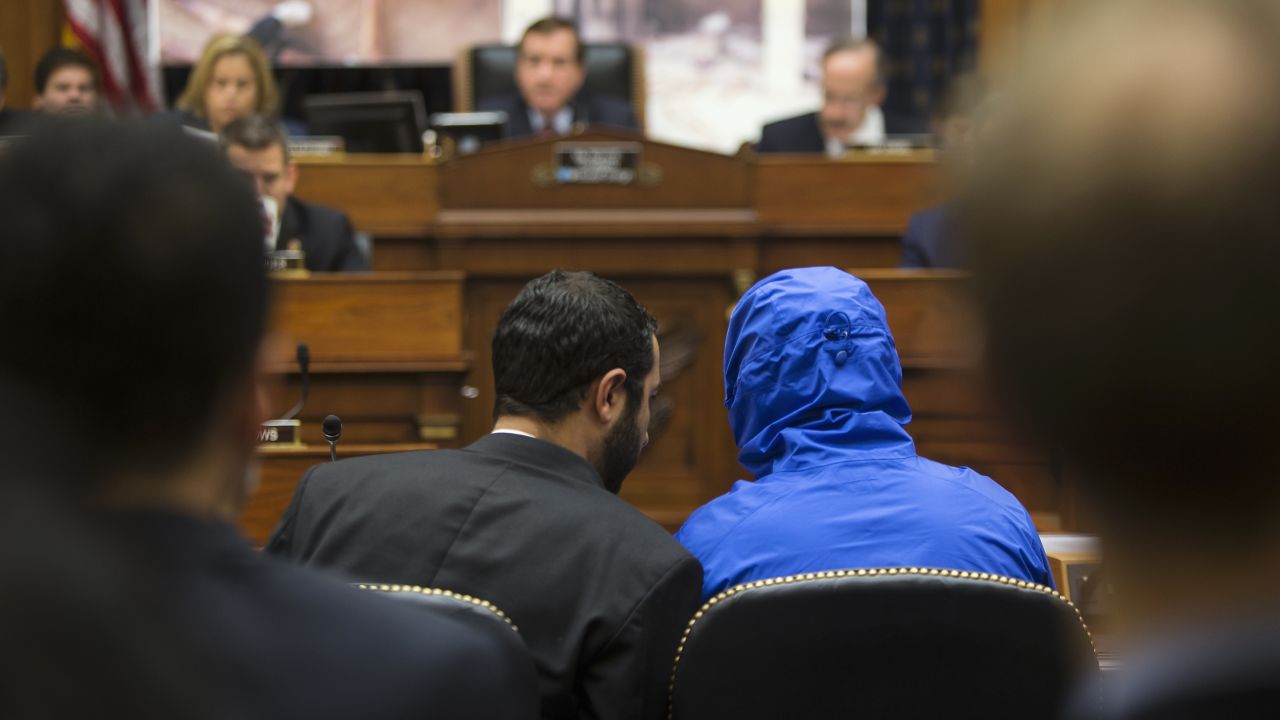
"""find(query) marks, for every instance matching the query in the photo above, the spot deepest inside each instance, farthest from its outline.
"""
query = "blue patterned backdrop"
(926, 44)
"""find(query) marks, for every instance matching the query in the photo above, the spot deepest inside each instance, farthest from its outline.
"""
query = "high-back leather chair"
(488, 71)
(887, 643)
(484, 617)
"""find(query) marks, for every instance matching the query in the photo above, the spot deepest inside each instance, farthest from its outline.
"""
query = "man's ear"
(610, 396)
(881, 93)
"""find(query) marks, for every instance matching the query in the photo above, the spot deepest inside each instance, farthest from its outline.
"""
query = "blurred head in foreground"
(1122, 226)
(132, 298)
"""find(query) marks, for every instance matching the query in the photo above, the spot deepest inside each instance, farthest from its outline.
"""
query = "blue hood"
(811, 373)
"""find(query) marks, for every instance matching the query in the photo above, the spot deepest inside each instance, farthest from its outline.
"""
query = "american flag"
(115, 33)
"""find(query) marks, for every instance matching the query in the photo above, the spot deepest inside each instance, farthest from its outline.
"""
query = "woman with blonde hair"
(232, 79)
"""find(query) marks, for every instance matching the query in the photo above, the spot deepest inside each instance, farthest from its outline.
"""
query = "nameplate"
(316, 145)
(287, 262)
(280, 432)
(596, 163)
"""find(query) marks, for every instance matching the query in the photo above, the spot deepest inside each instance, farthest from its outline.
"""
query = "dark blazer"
(929, 242)
(799, 134)
(257, 638)
(326, 235)
(600, 592)
(586, 111)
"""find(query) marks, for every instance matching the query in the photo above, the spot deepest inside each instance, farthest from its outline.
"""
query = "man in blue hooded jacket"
(813, 386)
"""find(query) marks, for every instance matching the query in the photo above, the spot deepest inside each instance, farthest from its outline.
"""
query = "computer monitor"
(380, 122)
(469, 130)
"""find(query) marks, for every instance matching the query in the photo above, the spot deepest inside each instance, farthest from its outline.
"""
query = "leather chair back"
(488, 71)
(889, 643)
(484, 617)
(476, 611)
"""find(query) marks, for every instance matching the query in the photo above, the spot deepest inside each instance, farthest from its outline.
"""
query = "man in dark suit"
(928, 242)
(1122, 233)
(528, 516)
(257, 145)
(549, 75)
(133, 324)
(853, 87)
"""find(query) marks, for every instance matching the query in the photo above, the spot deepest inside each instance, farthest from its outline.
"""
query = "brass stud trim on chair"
(861, 572)
(446, 593)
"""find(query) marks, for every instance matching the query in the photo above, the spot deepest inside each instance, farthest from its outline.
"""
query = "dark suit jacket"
(257, 638)
(600, 592)
(326, 234)
(586, 111)
(799, 134)
(929, 242)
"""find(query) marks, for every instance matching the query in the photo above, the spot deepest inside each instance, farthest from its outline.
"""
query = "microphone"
(332, 429)
(304, 364)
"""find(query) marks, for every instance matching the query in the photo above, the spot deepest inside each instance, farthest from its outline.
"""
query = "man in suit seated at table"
(134, 309)
(853, 87)
(929, 241)
(549, 76)
(528, 516)
(1121, 227)
(257, 145)
(813, 386)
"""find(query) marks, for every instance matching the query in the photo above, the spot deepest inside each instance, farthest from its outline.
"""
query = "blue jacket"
(813, 388)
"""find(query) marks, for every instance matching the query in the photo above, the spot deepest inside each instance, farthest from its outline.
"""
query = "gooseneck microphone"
(304, 365)
(332, 429)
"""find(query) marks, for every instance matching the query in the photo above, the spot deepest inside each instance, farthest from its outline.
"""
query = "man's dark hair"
(562, 332)
(132, 287)
(1125, 255)
(256, 132)
(851, 44)
(548, 25)
(58, 58)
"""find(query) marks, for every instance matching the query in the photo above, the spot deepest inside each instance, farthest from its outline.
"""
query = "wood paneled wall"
(27, 29)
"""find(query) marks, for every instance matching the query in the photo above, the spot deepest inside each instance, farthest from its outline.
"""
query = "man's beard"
(622, 446)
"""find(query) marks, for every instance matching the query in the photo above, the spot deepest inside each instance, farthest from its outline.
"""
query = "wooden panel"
(385, 195)
(871, 195)
(929, 313)
(281, 468)
(501, 177)
(780, 252)
(28, 28)
(592, 223)
(384, 318)
(379, 406)
(522, 257)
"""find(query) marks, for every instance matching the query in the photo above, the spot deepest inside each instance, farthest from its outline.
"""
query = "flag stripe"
(114, 32)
